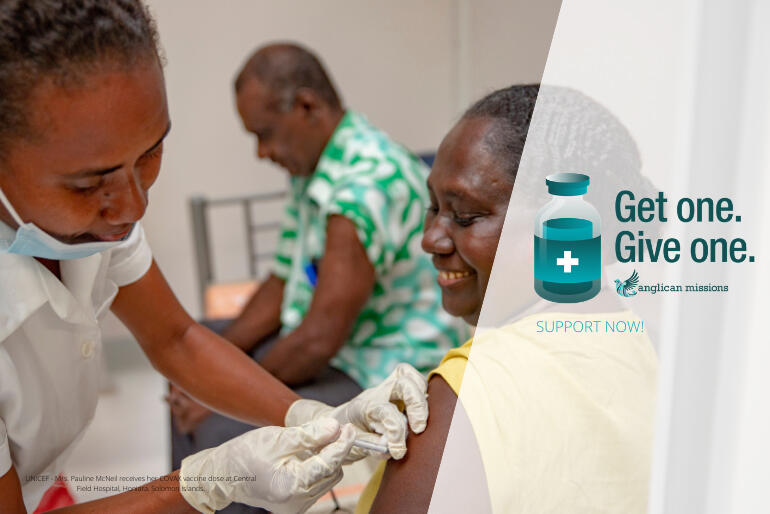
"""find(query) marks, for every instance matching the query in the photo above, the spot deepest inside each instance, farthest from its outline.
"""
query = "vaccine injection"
(366, 445)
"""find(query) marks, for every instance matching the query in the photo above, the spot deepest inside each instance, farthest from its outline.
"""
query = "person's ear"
(308, 102)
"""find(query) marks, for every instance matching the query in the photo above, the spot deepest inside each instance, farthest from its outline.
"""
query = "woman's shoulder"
(452, 366)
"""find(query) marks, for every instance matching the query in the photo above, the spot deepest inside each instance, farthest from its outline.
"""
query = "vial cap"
(567, 184)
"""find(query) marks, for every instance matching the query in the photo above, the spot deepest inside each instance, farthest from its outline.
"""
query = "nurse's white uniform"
(50, 343)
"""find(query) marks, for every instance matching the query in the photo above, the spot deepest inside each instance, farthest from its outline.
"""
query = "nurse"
(83, 117)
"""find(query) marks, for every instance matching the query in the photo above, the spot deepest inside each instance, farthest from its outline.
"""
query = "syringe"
(366, 445)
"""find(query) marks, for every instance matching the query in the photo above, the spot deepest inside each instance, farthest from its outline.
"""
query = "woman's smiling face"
(469, 193)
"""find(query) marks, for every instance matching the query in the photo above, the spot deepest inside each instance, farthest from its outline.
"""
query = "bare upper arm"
(407, 485)
(345, 280)
(11, 498)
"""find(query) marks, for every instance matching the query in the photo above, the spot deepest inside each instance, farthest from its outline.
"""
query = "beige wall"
(507, 42)
(410, 66)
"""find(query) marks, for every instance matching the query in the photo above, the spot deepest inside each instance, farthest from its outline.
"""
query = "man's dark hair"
(284, 68)
(62, 40)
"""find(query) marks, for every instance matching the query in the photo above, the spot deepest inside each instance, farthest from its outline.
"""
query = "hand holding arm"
(374, 413)
(407, 484)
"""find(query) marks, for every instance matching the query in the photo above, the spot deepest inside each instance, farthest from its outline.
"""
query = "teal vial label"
(567, 254)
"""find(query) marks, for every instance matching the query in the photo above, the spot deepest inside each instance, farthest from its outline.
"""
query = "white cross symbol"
(567, 261)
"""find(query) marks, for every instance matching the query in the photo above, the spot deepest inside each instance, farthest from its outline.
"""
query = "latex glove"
(374, 412)
(284, 470)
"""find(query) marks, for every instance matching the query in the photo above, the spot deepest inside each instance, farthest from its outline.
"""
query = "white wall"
(508, 42)
(390, 60)
(399, 62)
(613, 51)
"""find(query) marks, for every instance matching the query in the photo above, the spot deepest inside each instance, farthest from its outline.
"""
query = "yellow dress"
(564, 421)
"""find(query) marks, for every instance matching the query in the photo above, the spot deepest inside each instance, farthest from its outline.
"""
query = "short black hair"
(511, 110)
(571, 128)
(284, 68)
(564, 131)
(60, 40)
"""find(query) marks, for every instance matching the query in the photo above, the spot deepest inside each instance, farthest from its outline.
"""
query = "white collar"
(26, 285)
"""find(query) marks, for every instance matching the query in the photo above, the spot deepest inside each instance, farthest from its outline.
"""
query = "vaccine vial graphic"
(568, 261)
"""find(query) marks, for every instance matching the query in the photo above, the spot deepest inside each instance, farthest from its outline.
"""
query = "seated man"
(351, 291)
(562, 423)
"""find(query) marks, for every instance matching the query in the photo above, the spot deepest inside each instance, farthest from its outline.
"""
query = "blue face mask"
(32, 241)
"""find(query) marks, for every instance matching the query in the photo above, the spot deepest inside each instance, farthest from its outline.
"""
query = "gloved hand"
(374, 412)
(279, 469)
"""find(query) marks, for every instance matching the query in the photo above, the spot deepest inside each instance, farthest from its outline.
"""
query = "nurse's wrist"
(199, 493)
(303, 411)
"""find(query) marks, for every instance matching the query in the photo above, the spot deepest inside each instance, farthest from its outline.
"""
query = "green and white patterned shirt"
(380, 186)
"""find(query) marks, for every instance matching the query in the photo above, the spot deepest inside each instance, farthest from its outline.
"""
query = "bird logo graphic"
(627, 287)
